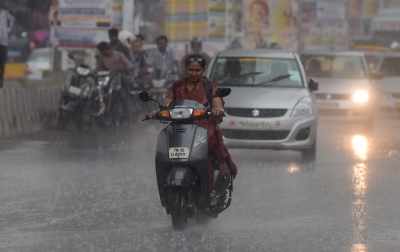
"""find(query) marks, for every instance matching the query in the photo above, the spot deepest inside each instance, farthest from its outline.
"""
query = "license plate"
(179, 153)
(74, 90)
(255, 125)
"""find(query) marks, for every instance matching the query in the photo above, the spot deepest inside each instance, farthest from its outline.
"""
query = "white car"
(389, 86)
(271, 105)
(345, 86)
(39, 64)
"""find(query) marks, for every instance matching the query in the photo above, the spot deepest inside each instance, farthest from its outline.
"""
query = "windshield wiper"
(250, 74)
(275, 79)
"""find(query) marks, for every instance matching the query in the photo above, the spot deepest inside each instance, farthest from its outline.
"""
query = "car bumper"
(283, 133)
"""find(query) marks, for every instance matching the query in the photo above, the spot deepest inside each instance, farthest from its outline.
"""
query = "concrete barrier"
(24, 110)
(27, 108)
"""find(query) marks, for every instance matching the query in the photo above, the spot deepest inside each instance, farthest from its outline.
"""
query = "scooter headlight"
(103, 82)
(360, 97)
(181, 113)
(83, 71)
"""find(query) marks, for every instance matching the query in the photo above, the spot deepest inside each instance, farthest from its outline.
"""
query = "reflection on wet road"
(68, 192)
(360, 186)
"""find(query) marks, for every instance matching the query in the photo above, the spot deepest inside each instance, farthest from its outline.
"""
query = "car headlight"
(84, 71)
(360, 97)
(303, 108)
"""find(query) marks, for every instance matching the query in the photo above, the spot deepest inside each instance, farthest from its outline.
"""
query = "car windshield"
(334, 66)
(256, 72)
(390, 67)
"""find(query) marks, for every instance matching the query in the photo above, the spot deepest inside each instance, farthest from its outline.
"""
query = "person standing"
(196, 47)
(116, 44)
(163, 61)
(6, 24)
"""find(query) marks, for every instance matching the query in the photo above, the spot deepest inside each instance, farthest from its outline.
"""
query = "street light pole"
(299, 26)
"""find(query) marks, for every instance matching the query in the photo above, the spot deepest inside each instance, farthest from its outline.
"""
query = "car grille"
(325, 96)
(256, 134)
(264, 113)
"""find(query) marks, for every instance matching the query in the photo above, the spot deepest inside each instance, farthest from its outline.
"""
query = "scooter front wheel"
(177, 204)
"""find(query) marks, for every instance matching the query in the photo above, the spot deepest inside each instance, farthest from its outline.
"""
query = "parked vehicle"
(182, 164)
(81, 101)
(114, 94)
(388, 86)
(271, 105)
(346, 85)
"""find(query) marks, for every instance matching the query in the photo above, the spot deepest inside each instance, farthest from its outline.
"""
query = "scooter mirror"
(223, 92)
(71, 56)
(144, 96)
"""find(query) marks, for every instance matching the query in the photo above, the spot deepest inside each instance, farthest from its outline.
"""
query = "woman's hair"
(196, 58)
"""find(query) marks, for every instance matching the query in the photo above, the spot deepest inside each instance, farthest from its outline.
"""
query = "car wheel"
(310, 154)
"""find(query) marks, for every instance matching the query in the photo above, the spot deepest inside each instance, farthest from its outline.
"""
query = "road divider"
(24, 110)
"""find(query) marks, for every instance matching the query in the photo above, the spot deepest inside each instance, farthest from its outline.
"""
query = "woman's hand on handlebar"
(218, 114)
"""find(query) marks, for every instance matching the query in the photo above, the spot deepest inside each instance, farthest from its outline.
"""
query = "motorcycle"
(160, 82)
(183, 163)
(80, 100)
(114, 93)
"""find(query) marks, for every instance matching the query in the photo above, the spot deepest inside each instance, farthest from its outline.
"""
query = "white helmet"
(395, 45)
(126, 37)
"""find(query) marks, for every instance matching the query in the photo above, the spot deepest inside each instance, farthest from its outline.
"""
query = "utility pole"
(128, 13)
(299, 26)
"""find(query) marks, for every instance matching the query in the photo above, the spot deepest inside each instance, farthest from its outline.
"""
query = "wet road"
(81, 193)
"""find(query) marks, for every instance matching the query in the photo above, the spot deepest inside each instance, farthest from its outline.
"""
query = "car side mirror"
(376, 76)
(313, 85)
(223, 92)
(144, 96)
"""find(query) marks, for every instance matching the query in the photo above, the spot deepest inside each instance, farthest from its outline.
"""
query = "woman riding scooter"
(198, 88)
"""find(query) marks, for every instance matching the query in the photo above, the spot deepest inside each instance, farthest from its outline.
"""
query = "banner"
(84, 23)
(86, 13)
(217, 19)
(269, 22)
(326, 26)
(186, 19)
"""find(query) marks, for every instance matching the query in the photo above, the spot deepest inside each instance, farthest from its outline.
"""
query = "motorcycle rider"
(194, 86)
(196, 47)
(140, 58)
(163, 60)
(116, 43)
(114, 61)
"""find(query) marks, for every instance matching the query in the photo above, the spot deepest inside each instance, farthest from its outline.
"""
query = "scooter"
(183, 164)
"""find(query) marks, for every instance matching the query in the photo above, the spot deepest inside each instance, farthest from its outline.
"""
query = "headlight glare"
(360, 97)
